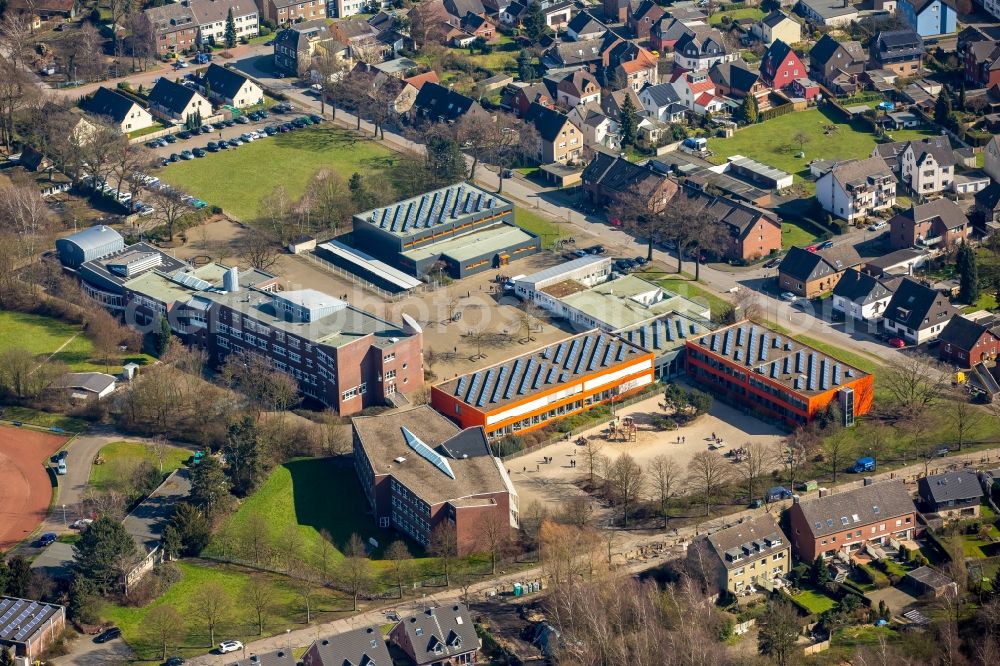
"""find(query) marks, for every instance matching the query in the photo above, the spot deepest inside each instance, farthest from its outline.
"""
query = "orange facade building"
(775, 375)
(532, 390)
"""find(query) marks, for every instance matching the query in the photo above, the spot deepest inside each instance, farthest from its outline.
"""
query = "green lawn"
(688, 288)
(773, 143)
(973, 545)
(795, 235)
(313, 495)
(43, 419)
(815, 602)
(287, 611)
(120, 458)
(42, 336)
(155, 127)
(503, 57)
(737, 14)
(539, 225)
(863, 362)
(237, 179)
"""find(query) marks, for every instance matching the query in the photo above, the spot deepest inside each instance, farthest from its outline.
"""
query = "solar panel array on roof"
(583, 354)
(432, 208)
(21, 617)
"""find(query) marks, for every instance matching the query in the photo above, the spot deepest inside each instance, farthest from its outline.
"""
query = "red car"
(810, 248)
(898, 343)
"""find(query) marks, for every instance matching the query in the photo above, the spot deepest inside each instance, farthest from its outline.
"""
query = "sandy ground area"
(552, 483)
(25, 489)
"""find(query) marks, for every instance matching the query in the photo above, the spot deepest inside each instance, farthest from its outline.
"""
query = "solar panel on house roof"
(427, 453)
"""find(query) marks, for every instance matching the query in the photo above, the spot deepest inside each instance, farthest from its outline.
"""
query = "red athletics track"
(25, 488)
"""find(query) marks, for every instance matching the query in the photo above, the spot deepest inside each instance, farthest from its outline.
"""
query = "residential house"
(981, 61)
(613, 102)
(662, 103)
(916, 313)
(929, 18)
(855, 189)
(212, 16)
(565, 55)
(966, 343)
(599, 131)
(643, 17)
(123, 112)
(296, 45)
(991, 159)
(558, 14)
(747, 232)
(940, 223)
(230, 87)
(701, 47)
(779, 66)
(742, 558)
(459, 8)
(804, 88)
(836, 64)
(828, 13)
(559, 140)
(892, 152)
(617, 11)
(812, 274)
(636, 73)
(861, 296)
(175, 27)
(850, 520)
(438, 635)
(651, 133)
(406, 98)
(285, 12)
(279, 657)
(478, 27)
(953, 495)
(364, 646)
(584, 26)
(734, 79)
(900, 262)
(178, 102)
(666, 32)
(694, 88)
(436, 103)
(777, 25)
(899, 51)
(44, 9)
(362, 39)
(578, 87)
(512, 14)
(927, 166)
(608, 178)
(988, 206)
(533, 93)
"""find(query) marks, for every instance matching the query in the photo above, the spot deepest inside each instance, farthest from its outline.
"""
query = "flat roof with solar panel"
(776, 357)
(563, 362)
(21, 620)
(431, 213)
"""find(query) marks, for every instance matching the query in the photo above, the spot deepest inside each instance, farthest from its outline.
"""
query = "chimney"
(231, 280)
(795, 499)
(868, 481)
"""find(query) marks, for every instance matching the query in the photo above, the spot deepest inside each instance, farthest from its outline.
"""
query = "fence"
(816, 647)
(360, 281)
(776, 112)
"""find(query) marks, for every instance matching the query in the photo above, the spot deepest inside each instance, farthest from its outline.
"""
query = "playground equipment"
(622, 430)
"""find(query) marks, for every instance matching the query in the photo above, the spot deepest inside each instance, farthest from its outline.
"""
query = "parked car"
(581, 253)
(771, 263)
(242, 120)
(622, 265)
(174, 661)
(198, 152)
(810, 248)
(184, 134)
(174, 157)
(187, 155)
(778, 493)
(219, 125)
(229, 123)
(229, 646)
(866, 464)
(212, 147)
(81, 524)
(789, 296)
(941, 451)
(247, 137)
(825, 245)
(881, 224)
(170, 138)
(108, 635)
(315, 118)
(61, 467)
(234, 142)
(596, 249)
(46, 539)
(223, 145)
(898, 343)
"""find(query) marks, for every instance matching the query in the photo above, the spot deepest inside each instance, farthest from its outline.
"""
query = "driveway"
(83, 651)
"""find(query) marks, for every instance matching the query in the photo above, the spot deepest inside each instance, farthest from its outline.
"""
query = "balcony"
(930, 241)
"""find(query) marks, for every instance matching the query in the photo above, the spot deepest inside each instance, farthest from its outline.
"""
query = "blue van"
(866, 464)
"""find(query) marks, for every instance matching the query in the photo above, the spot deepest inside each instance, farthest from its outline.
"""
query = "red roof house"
(780, 66)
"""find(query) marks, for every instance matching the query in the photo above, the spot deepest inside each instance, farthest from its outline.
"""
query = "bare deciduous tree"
(708, 472)
(258, 249)
(444, 546)
(163, 627)
(963, 416)
(355, 570)
(664, 481)
(211, 604)
(400, 561)
(914, 383)
(758, 459)
(170, 209)
(591, 451)
(258, 599)
(837, 449)
(494, 537)
(627, 479)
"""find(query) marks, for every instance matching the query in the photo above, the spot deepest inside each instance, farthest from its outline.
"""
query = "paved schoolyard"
(554, 483)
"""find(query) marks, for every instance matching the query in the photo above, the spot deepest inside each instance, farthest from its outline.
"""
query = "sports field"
(25, 485)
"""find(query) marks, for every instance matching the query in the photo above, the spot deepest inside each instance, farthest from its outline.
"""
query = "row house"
(812, 274)
(898, 51)
(643, 17)
(861, 296)
(285, 12)
(609, 178)
(212, 16)
(746, 556)
(296, 45)
(175, 27)
(837, 65)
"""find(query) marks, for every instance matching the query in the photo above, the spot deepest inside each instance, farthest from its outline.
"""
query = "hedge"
(875, 577)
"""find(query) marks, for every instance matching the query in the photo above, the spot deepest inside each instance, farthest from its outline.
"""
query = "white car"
(229, 646)
(81, 524)
(878, 225)
(247, 137)
(789, 296)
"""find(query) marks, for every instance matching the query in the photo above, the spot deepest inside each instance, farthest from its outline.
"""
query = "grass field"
(773, 143)
(815, 602)
(237, 179)
(43, 336)
(688, 288)
(793, 234)
(541, 226)
(313, 495)
(122, 457)
(287, 611)
(737, 14)
(43, 419)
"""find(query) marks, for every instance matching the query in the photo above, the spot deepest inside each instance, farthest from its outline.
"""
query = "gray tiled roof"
(363, 646)
(860, 288)
(748, 541)
(869, 504)
(281, 657)
(918, 307)
(953, 486)
(440, 632)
